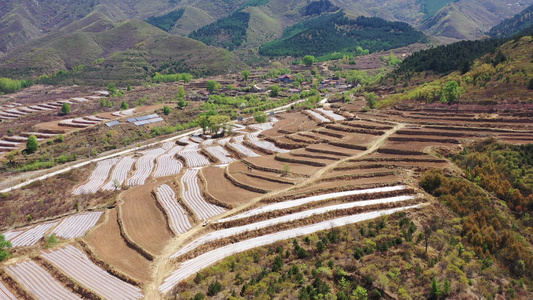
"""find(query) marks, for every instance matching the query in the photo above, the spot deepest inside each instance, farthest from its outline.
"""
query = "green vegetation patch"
(228, 32)
(337, 33)
(166, 22)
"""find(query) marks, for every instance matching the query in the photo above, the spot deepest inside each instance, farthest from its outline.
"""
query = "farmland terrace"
(188, 205)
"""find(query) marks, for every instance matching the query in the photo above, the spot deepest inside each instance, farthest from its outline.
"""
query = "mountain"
(513, 25)
(337, 32)
(97, 49)
(465, 19)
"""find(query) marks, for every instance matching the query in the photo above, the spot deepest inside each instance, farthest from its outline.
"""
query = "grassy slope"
(193, 19)
(262, 28)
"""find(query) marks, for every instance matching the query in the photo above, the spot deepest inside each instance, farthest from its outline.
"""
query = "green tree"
(128, 88)
(212, 85)
(245, 74)
(451, 92)
(124, 105)
(32, 145)
(203, 122)
(308, 60)
(217, 122)
(112, 89)
(447, 287)
(274, 90)
(181, 103)
(371, 100)
(320, 246)
(51, 241)
(181, 92)
(5, 245)
(435, 289)
(360, 293)
(166, 110)
(214, 288)
(65, 108)
(260, 117)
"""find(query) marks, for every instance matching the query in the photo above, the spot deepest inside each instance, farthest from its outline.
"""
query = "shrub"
(166, 110)
(4, 246)
(124, 105)
(65, 108)
(32, 145)
(260, 117)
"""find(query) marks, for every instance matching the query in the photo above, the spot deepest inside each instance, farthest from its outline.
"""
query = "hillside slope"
(513, 25)
(99, 50)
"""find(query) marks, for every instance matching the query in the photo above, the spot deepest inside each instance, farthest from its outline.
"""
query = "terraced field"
(193, 204)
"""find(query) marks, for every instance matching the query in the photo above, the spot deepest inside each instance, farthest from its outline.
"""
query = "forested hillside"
(513, 25)
(336, 32)
(228, 32)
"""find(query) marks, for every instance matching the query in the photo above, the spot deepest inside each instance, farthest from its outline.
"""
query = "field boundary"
(129, 241)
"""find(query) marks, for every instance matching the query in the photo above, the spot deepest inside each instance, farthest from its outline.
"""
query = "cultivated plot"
(179, 221)
(196, 264)
(77, 226)
(79, 267)
(5, 294)
(193, 197)
(302, 201)
(220, 153)
(224, 233)
(98, 177)
(144, 166)
(39, 282)
(33, 235)
(194, 159)
(120, 173)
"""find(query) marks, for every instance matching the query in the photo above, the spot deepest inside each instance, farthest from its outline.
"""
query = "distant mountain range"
(39, 38)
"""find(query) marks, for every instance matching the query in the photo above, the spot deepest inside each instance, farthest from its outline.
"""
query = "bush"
(124, 105)
(4, 246)
(530, 84)
(32, 145)
(260, 117)
(166, 110)
(65, 108)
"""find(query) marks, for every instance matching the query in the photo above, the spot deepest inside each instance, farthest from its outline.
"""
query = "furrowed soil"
(222, 189)
(109, 246)
(143, 220)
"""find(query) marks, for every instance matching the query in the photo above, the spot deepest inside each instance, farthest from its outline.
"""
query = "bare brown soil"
(270, 163)
(330, 149)
(243, 178)
(222, 189)
(143, 220)
(109, 246)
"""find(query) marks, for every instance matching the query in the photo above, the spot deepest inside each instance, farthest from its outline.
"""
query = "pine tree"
(435, 289)
(447, 287)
